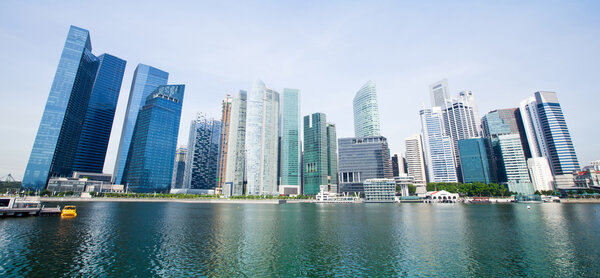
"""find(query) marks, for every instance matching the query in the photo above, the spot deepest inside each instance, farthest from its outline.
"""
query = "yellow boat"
(69, 211)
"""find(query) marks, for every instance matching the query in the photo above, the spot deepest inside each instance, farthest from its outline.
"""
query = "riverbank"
(245, 201)
(160, 200)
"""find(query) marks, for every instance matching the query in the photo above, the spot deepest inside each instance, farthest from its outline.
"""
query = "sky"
(503, 51)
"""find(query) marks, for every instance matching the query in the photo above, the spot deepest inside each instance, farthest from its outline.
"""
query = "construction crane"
(8, 178)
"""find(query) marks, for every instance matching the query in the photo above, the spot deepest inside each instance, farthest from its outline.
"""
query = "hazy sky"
(503, 51)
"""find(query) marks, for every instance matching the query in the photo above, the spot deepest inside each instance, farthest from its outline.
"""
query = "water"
(225, 240)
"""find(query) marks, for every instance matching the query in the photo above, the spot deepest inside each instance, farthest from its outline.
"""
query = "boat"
(69, 211)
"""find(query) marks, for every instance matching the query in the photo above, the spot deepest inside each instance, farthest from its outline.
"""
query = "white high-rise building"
(439, 154)
(414, 159)
(540, 173)
(461, 122)
(262, 139)
(366, 111)
(532, 126)
(236, 153)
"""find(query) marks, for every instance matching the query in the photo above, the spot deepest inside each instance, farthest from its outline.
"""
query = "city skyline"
(400, 92)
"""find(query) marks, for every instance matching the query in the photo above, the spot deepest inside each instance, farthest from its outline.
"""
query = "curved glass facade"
(366, 111)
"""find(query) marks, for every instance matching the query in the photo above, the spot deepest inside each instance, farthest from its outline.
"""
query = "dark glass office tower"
(145, 80)
(150, 159)
(98, 121)
(55, 150)
(203, 154)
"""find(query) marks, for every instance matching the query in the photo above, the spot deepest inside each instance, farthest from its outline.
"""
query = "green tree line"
(471, 189)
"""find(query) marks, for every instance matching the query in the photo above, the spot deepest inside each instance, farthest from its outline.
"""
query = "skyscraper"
(362, 158)
(149, 166)
(262, 137)
(439, 93)
(236, 153)
(179, 168)
(98, 121)
(460, 122)
(145, 80)
(366, 111)
(415, 161)
(66, 128)
(558, 143)
(437, 147)
(315, 153)
(290, 138)
(509, 166)
(225, 123)
(475, 160)
(201, 167)
(332, 157)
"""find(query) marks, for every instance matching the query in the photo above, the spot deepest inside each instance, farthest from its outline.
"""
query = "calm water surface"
(178, 239)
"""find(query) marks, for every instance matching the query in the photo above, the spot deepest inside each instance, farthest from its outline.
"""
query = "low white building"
(441, 196)
(380, 190)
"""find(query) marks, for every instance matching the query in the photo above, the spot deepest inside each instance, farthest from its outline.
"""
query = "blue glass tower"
(150, 159)
(560, 149)
(145, 80)
(56, 147)
(97, 125)
(475, 160)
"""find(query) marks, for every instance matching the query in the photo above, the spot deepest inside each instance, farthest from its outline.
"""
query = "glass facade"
(262, 140)
(439, 153)
(236, 154)
(366, 111)
(145, 80)
(460, 122)
(56, 150)
(179, 168)
(560, 149)
(150, 160)
(98, 121)
(475, 160)
(332, 157)
(290, 138)
(315, 153)
(203, 154)
(363, 158)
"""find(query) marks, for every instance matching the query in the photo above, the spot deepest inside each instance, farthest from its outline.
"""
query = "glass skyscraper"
(475, 160)
(236, 153)
(366, 111)
(224, 141)
(332, 156)
(290, 138)
(149, 166)
(56, 149)
(439, 153)
(145, 80)
(315, 153)
(98, 121)
(362, 158)
(179, 168)
(559, 146)
(262, 140)
(201, 167)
